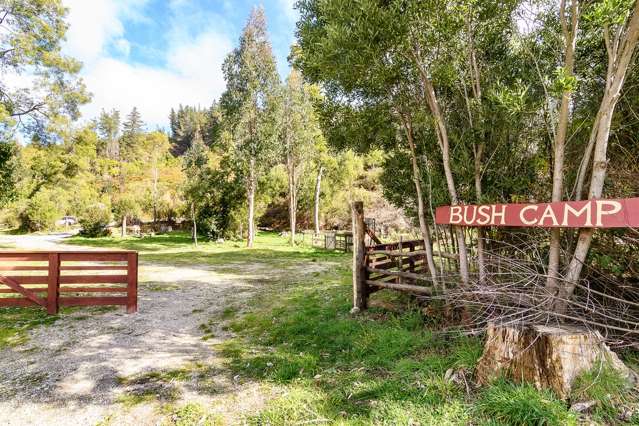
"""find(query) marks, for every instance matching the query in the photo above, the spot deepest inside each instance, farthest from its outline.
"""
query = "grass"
(609, 389)
(297, 338)
(376, 368)
(15, 324)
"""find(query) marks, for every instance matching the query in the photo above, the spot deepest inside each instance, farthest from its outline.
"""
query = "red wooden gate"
(52, 279)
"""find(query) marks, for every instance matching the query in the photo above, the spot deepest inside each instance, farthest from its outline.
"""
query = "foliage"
(94, 220)
(31, 35)
(40, 213)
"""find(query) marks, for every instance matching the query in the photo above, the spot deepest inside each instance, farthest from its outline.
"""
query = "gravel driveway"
(71, 372)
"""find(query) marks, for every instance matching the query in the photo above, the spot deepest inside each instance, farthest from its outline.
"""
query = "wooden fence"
(397, 266)
(69, 278)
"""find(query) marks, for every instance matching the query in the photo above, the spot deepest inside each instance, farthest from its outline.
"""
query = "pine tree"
(132, 130)
(250, 105)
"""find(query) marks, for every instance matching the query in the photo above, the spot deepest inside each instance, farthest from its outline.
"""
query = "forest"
(403, 105)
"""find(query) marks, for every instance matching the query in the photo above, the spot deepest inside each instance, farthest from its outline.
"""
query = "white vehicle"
(67, 221)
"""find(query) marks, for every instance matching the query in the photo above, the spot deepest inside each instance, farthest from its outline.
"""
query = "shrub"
(94, 220)
(39, 214)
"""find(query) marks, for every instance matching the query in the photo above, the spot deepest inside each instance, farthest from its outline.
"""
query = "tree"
(109, 127)
(195, 163)
(250, 106)
(619, 25)
(31, 34)
(299, 133)
(132, 130)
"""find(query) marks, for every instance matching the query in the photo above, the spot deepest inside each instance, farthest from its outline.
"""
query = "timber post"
(53, 284)
(360, 288)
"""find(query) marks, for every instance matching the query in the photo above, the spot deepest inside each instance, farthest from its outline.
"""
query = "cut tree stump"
(547, 357)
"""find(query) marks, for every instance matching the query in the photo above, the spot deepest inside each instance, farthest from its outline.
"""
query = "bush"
(39, 214)
(94, 220)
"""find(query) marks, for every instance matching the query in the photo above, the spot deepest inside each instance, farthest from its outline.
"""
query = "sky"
(157, 54)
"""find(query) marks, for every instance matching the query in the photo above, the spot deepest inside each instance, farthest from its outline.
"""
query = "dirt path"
(71, 372)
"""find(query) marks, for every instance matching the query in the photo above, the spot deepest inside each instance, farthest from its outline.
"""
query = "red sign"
(566, 214)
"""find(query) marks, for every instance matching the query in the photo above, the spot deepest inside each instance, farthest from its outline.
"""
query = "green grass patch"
(15, 323)
(609, 389)
(167, 385)
(521, 404)
(191, 414)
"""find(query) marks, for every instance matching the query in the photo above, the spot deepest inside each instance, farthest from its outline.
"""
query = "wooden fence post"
(53, 283)
(132, 283)
(360, 288)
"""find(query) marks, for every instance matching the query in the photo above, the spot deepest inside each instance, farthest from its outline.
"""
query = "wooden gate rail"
(69, 278)
(399, 266)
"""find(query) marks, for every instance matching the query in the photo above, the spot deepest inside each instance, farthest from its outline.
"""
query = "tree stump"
(547, 357)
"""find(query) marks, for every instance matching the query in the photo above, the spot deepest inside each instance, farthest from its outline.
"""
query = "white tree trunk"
(316, 209)
(250, 195)
(570, 40)
(442, 137)
(292, 196)
(620, 52)
(421, 211)
(194, 223)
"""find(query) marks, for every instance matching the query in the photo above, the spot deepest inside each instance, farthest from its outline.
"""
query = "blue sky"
(157, 54)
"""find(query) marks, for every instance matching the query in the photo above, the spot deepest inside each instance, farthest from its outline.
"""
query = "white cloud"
(288, 6)
(123, 46)
(192, 74)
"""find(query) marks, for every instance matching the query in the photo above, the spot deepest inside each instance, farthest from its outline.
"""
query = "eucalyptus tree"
(195, 163)
(300, 132)
(251, 106)
(617, 23)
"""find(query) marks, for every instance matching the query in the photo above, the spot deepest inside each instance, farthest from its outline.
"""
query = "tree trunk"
(619, 56)
(194, 228)
(154, 193)
(481, 261)
(250, 194)
(442, 137)
(316, 209)
(547, 357)
(123, 231)
(292, 196)
(570, 39)
(423, 225)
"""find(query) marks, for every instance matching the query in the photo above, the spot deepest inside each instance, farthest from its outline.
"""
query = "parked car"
(67, 221)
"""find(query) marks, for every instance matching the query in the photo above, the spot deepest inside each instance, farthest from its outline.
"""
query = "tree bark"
(620, 53)
(423, 225)
(570, 40)
(316, 209)
(547, 357)
(123, 231)
(194, 223)
(250, 194)
(442, 138)
(292, 196)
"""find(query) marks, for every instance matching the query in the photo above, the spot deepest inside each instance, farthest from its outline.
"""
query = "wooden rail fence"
(397, 266)
(69, 278)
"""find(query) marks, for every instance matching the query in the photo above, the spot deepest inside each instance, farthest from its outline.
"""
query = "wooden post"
(132, 283)
(360, 288)
(53, 283)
